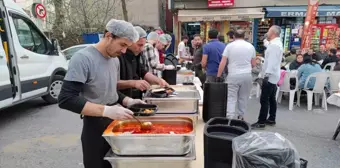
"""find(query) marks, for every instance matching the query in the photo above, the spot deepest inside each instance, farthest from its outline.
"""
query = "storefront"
(191, 22)
(326, 29)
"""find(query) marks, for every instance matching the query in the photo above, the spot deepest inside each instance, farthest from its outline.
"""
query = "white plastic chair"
(330, 66)
(334, 80)
(285, 88)
(320, 82)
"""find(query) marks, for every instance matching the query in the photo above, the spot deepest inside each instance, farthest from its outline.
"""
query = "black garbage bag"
(264, 150)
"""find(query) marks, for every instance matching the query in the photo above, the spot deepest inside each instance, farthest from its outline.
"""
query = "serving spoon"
(143, 125)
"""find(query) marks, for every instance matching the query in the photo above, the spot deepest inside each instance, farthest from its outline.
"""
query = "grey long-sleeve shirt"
(272, 62)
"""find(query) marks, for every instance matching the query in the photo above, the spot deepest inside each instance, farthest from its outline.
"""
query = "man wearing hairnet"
(132, 70)
(162, 51)
(90, 89)
(151, 54)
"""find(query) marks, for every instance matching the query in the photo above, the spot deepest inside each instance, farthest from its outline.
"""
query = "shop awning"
(220, 14)
(300, 11)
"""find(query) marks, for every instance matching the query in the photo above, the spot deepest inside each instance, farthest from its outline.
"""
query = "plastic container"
(170, 76)
(229, 122)
(303, 163)
(214, 100)
(139, 109)
(218, 152)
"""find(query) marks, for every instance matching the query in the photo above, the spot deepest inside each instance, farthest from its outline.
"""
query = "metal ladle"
(143, 125)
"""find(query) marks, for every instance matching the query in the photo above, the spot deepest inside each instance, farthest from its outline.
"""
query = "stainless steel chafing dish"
(152, 162)
(151, 144)
(185, 101)
(178, 88)
(185, 76)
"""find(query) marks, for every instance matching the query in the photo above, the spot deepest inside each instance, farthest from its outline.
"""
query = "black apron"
(94, 145)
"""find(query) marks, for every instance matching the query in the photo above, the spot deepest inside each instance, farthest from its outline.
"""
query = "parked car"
(31, 65)
(68, 52)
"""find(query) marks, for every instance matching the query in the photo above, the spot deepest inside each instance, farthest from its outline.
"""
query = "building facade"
(196, 17)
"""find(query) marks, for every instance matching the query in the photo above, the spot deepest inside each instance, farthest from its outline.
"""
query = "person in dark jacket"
(331, 58)
(198, 52)
(322, 54)
(296, 63)
(134, 78)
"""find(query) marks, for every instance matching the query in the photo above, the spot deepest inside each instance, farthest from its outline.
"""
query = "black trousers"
(268, 102)
(94, 145)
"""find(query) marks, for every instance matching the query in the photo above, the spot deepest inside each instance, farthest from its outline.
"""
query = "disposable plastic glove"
(131, 102)
(117, 112)
(169, 67)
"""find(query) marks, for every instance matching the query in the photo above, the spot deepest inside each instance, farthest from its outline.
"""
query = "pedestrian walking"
(134, 78)
(212, 55)
(271, 70)
(90, 89)
(240, 56)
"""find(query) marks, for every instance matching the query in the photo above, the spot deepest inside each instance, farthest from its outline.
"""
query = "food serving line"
(170, 143)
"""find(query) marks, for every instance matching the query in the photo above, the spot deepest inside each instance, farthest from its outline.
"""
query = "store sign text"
(303, 14)
(220, 3)
(214, 18)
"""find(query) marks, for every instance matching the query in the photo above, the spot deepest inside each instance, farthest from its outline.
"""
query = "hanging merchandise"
(263, 28)
(310, 18)
(329, 37)
(246, 26)
(207, 31)
(286, 41)
(315, 39)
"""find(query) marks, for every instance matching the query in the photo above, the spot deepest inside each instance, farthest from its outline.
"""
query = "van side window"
(29, 36)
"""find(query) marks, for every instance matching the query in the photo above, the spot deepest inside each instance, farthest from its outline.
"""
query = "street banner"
(312, 10)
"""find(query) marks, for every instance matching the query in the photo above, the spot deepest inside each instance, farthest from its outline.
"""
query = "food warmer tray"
(178, 88)
(183, 102)
(151, 161)
(151, 144)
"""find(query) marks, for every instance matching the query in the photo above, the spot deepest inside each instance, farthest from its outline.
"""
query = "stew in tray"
(157, 128)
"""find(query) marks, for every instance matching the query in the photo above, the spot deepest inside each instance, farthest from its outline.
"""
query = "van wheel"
(54, 89)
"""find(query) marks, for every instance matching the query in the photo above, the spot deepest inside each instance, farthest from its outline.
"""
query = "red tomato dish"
(157, 128)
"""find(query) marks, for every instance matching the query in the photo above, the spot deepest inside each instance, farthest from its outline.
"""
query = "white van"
(30, 65)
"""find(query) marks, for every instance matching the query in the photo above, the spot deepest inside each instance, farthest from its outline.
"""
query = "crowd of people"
(104, 79)
(236, 63)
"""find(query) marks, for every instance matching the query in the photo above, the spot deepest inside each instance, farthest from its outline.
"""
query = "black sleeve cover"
(69, 97)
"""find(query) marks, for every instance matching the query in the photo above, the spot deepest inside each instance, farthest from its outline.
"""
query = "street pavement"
(37, 135)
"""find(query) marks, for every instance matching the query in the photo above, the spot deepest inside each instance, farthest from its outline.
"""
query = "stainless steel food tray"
(184, 78)
(152, 144)
(151, 162)
(178, 88)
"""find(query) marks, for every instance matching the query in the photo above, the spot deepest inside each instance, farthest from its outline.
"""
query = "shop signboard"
(310, 19)
(301, 11)
(220, 3)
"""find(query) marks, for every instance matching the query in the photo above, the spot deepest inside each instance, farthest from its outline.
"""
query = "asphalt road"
(36, 135)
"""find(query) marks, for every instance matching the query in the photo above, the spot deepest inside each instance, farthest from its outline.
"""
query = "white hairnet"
(163, 39)
(122, 29)
(168, 37)
(141, 32)
(153, 36)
